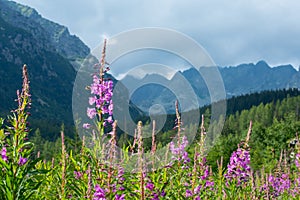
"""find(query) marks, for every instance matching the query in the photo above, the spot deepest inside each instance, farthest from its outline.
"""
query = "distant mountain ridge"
(238, 80)
(257, 77)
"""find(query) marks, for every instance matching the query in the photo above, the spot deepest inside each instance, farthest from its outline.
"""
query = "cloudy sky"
(232, 32)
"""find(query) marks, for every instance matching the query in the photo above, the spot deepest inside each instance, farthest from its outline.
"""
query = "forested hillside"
(266, 109)
(275, 126)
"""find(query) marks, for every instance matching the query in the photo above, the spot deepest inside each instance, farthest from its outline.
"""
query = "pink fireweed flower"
(185, 158)
(188, 193)
(109, 119)
(99, 193)
(120, 197)
(3, 154)
(77, 175)
(150, 186)
(22, 161)
(86, 126)
(91, 112)
(92, 100)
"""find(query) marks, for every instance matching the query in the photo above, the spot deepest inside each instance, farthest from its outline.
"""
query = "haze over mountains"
(53, 56)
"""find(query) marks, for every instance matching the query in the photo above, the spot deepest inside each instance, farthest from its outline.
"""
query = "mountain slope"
(47, 69)
(52, 56)
(50, 53)
(56, 37)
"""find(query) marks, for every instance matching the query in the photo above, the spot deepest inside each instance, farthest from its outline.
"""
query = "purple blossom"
(180, 150)
(78, 175)
(206, 173)
(239, 166)
(92, 100)
(120, 197)
(188, 193)
(121, 188)
(109, 120)
(114, 189)
(99, 193)
(155, 196)
(185, 157)
(163, 193)
(99, 103)
(22, 161)
(279, 185)
(150, 186)
(110, 109)
(3, 154)
(209, 184)
(102, 99)
(197, 189)
(86, 126)
(91, 112)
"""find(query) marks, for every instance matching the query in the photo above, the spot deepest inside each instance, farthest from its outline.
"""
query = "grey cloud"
(231, 31)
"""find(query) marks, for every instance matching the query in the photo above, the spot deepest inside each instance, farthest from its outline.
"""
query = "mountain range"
(53, 57)
(237, 80)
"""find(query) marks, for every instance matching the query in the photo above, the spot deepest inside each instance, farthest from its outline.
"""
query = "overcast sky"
(232, 32)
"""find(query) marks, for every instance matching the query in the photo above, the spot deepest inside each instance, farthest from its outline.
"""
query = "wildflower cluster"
(239, 166)
(278, 185)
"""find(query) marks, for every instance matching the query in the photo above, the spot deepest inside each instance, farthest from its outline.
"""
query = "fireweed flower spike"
(178, 150)
(239, 164)
(20, 178)
(101, 99)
